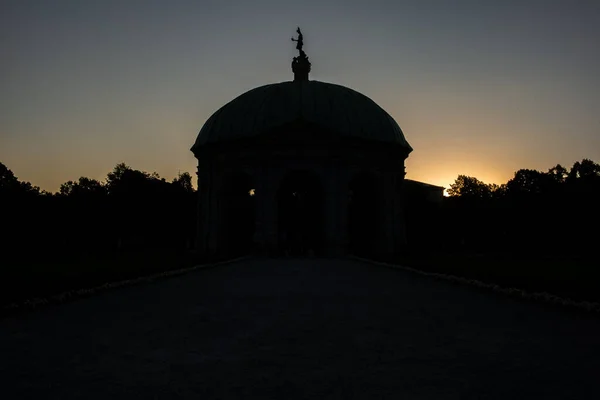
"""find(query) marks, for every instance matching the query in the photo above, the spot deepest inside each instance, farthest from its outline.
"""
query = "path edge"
(539, 297)
(71, 295)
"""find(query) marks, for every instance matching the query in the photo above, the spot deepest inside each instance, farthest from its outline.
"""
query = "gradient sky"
(479, 87)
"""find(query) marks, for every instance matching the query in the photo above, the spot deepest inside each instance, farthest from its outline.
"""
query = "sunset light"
(307, 199)
(136, 84)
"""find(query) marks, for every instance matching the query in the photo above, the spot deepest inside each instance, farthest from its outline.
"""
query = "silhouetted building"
(423, 192)
(301, 166)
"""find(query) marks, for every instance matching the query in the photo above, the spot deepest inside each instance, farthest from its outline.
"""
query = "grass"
(30, 277)
(574, 277)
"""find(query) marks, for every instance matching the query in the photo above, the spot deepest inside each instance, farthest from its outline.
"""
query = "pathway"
(287, 329)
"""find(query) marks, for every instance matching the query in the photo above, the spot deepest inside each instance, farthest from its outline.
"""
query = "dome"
(332, 107)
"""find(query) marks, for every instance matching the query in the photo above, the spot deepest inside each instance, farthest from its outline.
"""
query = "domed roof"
(333, 107)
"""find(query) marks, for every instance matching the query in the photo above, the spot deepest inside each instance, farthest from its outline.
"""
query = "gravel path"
(288, 329)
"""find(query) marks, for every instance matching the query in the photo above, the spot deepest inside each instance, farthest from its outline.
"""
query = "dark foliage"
(88, 220)
(538, 232)
(550, 213)
(132, 209)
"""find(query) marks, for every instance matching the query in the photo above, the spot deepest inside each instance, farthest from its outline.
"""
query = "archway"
(364, 212)
(237, 213)
(300, 214)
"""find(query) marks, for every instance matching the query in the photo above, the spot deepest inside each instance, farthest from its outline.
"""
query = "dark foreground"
(300, 329)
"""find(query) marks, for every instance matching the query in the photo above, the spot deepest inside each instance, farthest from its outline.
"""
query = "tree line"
(555, 211)
(135, 223)
(535, 212)
(130, 209)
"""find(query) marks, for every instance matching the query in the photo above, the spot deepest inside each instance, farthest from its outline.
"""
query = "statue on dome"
(300, 42)
(300, 64)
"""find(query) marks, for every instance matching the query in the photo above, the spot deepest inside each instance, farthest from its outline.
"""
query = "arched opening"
(300, 214)
(237, 213)
(363, 214)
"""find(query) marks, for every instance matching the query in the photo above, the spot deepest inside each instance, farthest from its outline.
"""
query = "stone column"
(336, 212)
(259, 223)
(271, 210)
(330, 211)
(343, 177)
(266, 211)
(400, 242)
(203, 205)
(387, 214)
(213, 213)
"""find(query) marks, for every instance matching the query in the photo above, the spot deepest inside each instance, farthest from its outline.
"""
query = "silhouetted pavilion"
(301, 166)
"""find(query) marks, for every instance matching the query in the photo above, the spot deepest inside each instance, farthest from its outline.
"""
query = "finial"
(300, 64)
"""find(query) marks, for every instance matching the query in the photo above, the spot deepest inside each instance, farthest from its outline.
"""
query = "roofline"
(215, 130)
(425, 184)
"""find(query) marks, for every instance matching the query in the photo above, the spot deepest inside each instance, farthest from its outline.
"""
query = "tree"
(529, 181)
(10, 184)
(184, 181)
(558, 173)
(470, 187)
(8, 181)
(585, 169)
(85, 186)
(117, 173)
(126, 180)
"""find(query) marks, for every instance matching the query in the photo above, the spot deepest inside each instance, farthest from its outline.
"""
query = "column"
(330, 212)
(213, 214)
(266, 211)
(387, 220)
(336, 212)
(259, 199)
(343, 177)
(400, 241)
(202, 210)
(270, 211)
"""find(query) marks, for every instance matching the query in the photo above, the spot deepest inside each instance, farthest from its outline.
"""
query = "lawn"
(29, 277)
(575, 277)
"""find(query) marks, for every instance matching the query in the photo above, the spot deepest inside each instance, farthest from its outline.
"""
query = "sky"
(480, 88)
